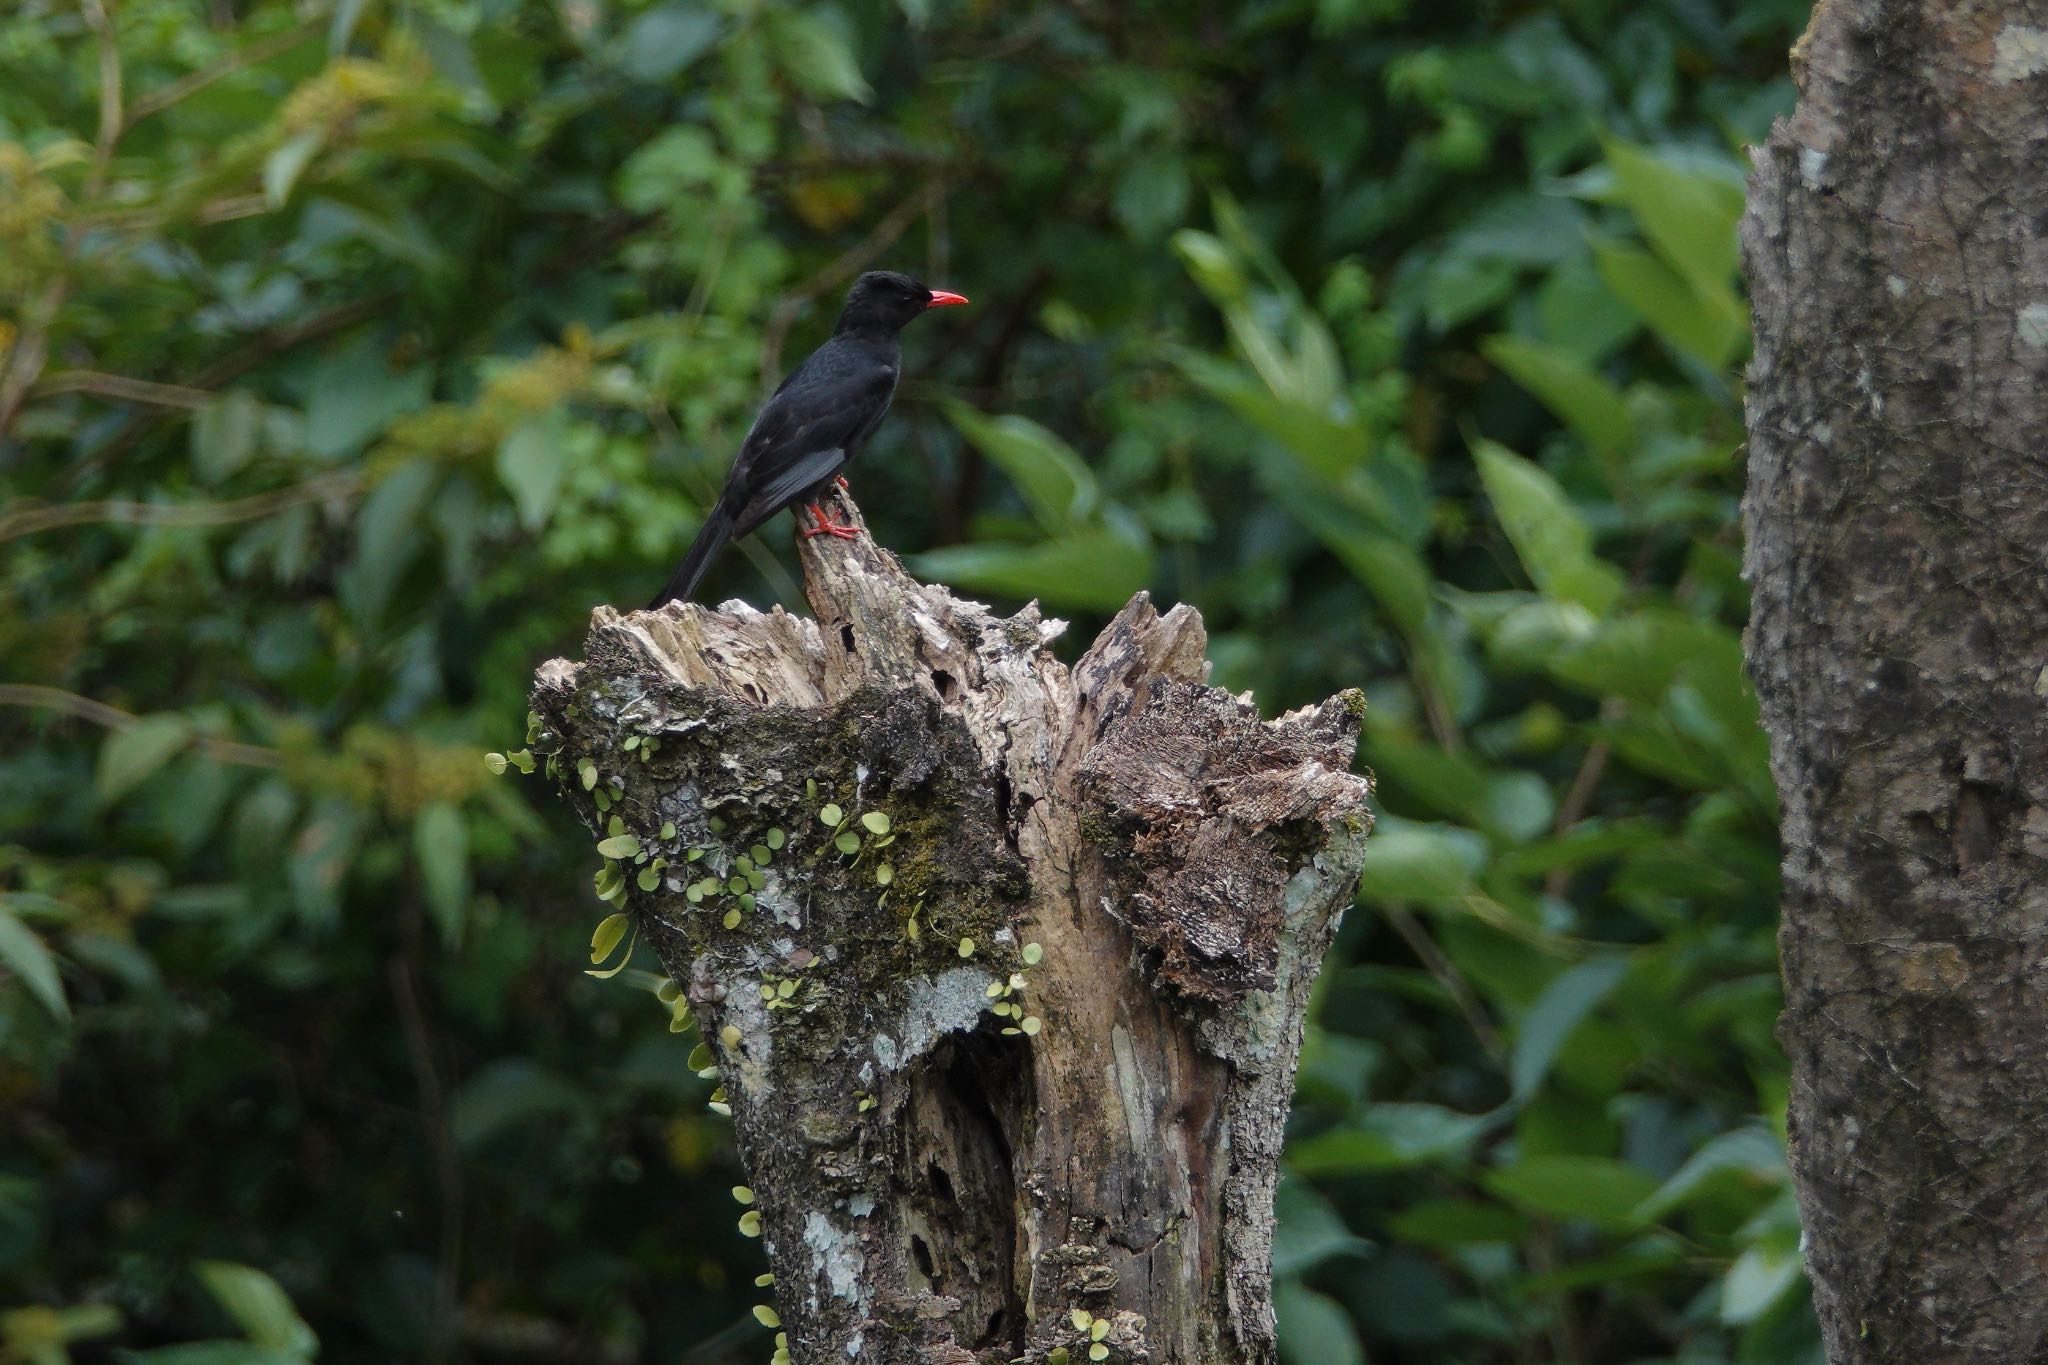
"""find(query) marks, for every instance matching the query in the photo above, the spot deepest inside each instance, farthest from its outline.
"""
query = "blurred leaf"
(1055, 483)
(1414, 863)
(1512, 806)
(530, 462)
(1329, 446)
(816, 52)
(1152, 195)
(1689, 217)
(24, 955)
(321, 857)
(1524, 230)
(1641, 655)
(1648, 1257)
(355, 392)
(259, 1307)
(1564, 1004)
(1314, 1329)
(130, 754)
(1308, 1231)
(1450, 1223)
(1585, 843)
(1708, 325)
(342, 27)
(1750, 1155)
(1760, 1277)
(377, 217)
(667, 38)
(1292, 353)
(224, 435)
(284, 166)
(214, 1353)
(1580, 316)
(440, 841)
(388, 539)
(1594, 1188)
(1094, 569)
(1395, 574)
(1549, 535)
(1529, 637)
(504, 1094)
(1456, 289)
(1390, 1137)
(1588, 404)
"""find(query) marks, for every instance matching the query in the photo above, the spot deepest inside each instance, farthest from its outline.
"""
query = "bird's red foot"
(844, 486)
(825, 526)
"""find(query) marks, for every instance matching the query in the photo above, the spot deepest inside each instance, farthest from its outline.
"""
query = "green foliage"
(1559, 1058)
(358, 349)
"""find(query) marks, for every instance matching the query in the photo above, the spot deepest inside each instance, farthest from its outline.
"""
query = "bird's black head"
(884, 300)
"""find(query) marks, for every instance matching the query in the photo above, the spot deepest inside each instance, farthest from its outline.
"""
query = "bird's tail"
(716, 531)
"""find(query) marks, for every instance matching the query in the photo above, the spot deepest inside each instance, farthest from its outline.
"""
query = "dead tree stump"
(1002, 965)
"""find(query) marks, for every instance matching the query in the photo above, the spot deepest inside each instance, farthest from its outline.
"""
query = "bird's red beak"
(945, 298)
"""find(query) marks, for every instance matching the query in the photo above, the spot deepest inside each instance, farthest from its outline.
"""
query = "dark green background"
(1402, 339)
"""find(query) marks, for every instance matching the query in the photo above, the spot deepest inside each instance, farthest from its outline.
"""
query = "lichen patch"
(2020, 51)
(2033, 325)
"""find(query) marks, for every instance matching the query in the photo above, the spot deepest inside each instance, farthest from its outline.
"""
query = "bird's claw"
(825, 526)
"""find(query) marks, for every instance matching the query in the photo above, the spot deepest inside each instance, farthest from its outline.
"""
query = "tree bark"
(1898, 519)
(1010, 1078)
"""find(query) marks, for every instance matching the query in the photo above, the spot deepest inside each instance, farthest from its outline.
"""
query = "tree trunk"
(1009, 1015)
(1898, 544)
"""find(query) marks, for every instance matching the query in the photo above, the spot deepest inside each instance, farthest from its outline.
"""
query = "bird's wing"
(824, 401)
(788, 484)
(801, 437)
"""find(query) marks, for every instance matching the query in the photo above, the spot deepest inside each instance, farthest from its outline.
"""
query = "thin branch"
(269, 343)
(41, 698)
(31, 348)
(848, 264)
(125, 388)
(231, 207)
(110, 87)
(264, 346)
(419, 1044)
(1580, 794)
(606, 234)
(24, 521)
(958, 509)
(1448, 976)
(262, 50)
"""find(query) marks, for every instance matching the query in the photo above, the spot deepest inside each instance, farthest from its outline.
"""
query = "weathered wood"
(1897, 248)
(940, 1186)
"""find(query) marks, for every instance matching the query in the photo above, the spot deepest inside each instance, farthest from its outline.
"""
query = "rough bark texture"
(938, 1184)
(1898, 518)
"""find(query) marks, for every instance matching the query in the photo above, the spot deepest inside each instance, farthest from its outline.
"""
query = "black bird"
(819, 419)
